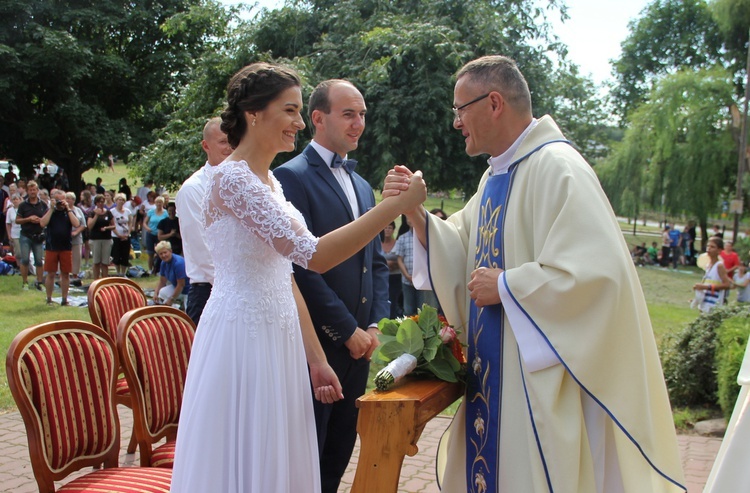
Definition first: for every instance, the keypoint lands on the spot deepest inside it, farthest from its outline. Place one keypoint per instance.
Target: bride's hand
(396, 181)
(326, 386)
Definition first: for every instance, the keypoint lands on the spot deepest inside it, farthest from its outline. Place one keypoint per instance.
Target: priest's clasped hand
(483, 286)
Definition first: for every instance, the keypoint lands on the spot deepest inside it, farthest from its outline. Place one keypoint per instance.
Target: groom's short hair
(499, 73)
(319, 99)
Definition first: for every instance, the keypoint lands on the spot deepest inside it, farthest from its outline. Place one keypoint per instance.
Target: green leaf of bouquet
(428, 318)
(446, 355)
(392, 350)
(431, 347)
(442, 370)
(410, 335)
(388, 326)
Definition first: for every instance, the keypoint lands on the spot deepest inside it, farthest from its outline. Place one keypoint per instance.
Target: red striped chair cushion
(75, 419)
(112, 301)
(163, 456)
(163, 344)
(121, 388)
(122, 480)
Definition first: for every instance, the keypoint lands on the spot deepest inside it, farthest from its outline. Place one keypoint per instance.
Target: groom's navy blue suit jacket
(354, 293)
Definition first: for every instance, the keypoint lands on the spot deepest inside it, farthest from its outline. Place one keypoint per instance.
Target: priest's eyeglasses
(456, 110)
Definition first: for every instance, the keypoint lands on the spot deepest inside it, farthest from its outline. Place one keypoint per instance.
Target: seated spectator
(653, 254)
(173, 284)
(639, 253)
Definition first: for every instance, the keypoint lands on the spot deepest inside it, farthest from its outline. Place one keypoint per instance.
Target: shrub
(688, 357)
(731, 340)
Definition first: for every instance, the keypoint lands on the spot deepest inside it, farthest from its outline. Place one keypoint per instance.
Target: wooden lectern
(389, 425)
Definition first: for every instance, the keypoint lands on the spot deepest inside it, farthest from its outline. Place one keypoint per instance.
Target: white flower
(479, 425)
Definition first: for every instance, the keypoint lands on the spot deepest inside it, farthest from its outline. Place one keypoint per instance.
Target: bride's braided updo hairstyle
(252, 89)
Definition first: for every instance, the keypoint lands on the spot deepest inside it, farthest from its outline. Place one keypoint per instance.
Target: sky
(593, 32)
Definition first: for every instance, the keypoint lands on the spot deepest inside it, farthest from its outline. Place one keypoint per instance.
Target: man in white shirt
(198, 261)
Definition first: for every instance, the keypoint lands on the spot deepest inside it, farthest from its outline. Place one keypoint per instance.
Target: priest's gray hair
(499, 73)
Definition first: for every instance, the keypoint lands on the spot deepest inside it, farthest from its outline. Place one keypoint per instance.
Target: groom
(346, 302)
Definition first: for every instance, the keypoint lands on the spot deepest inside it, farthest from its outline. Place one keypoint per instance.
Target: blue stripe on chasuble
(486, 327)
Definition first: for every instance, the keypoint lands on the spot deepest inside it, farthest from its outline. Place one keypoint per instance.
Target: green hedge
(689, 357)
(732, 339)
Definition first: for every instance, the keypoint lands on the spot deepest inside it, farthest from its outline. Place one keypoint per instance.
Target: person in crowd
(12, 228)
(174, 285)
(388, 241)
(111, 163)
(86, 205)
(123, 220)
(44, 197)
(21, 184)
(730, 258)
(741, 282)
(5, 204)
(45, 180)
(99, 187)
(76, 244)
(101, 223)
(675, 245)
(60, 220)
(109, 199)
(256, 338)
(718, 232)
(715, 281)
(198, 261)
(557, 328)
(666, 246)
(143, 191)
(61, 180)
(438, 212)
(639, 254)
(124, 188)
(150, 227)
(405, 258)
(29, 216)
(653, 254)
(168, 229)
(346, 303)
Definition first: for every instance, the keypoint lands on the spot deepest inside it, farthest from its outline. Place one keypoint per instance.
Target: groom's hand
(483, 286)
(359, 343)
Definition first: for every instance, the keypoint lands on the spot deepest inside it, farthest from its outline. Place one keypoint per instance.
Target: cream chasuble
(599, 420)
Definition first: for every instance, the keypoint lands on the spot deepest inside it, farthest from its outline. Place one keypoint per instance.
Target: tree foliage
(402, 55)
(670, 35)
(82, 79)
(678, 152)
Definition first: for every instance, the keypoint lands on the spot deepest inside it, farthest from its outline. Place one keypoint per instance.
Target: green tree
(81, 80)
(678, 151)
(669, 35)
(402, 55)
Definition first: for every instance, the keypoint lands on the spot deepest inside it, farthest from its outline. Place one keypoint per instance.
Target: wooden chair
(154, 345)
(62, 376)
(109, 299)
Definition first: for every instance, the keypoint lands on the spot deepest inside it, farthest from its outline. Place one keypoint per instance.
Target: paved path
(417, 475)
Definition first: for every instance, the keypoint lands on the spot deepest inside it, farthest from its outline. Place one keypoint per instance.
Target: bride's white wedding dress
(247, 422)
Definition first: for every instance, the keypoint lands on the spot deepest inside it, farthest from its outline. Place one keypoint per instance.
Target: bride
(247, 420)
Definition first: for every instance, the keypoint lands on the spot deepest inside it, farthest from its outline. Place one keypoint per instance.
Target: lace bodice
(254, 234)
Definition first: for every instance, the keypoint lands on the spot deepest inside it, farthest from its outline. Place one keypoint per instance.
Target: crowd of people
(47, 229)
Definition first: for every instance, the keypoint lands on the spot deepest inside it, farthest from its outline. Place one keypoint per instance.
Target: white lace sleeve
(234, 190)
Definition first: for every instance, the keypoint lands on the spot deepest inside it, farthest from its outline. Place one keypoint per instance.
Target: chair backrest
(62, 377)
(154, 345)
(110, 298)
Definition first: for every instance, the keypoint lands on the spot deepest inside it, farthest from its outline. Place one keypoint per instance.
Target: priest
(565, 390)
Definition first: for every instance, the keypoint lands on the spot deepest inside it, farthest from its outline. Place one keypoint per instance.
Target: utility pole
(742, 154)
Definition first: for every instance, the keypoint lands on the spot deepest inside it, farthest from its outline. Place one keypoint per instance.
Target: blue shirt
(674, 235)
(175, 270)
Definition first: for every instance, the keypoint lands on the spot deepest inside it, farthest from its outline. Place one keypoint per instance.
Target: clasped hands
(482, 287)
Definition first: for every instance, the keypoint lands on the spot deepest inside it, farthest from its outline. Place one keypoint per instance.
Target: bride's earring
(253, 122)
